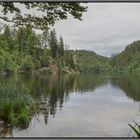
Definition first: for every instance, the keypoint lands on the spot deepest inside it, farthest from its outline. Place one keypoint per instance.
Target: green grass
(16, 105)
(136, 129)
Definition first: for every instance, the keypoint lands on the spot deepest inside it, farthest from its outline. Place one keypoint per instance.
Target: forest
(128, 61)
(24, 51)
(28, 52)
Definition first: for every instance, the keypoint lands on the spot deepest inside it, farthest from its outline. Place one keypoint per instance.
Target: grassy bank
(16, 105)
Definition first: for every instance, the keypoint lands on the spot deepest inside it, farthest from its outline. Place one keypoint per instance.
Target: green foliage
(20, 40)
(61, 47)
(45, 58)
(53, 44)
(16, 105)
(88, 61)
(69, 59)
(51, 12)
(27, 64)
(129, 60)
(136, 129)
(26, 41)
(37, 64)
(9, 112)
(2, 62)
(10, 65)
(15, 113)
(23, 120)
(28, 53)
(7, 62)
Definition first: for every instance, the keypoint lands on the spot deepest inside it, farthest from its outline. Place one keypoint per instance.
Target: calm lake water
(81, 105)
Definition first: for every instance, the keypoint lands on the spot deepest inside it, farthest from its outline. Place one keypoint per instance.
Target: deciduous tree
(47, 13)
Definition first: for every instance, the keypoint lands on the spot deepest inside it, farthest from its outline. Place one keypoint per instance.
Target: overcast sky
(106, 28)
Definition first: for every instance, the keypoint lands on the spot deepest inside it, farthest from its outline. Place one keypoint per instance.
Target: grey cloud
(106, 28)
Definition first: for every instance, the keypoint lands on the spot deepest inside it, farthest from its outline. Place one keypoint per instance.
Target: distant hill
(89, 61)
(129, 59)
(126, 61)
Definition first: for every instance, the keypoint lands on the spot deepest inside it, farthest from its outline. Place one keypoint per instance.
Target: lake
(81, 105)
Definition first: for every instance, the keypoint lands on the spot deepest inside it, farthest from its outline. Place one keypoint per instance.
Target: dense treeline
(89, 61)
(129, 60)
(24, 51)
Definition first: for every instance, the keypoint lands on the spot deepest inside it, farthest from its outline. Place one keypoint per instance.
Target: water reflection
(56, 89)
(129, 84)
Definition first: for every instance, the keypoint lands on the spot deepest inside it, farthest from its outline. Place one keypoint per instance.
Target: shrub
(45, 58)
(23, 120)
(37, 64)
(7, 62)
(27, 64)
(2, 62)
(16, 105)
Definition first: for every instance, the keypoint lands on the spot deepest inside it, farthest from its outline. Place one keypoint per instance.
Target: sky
(107, 28)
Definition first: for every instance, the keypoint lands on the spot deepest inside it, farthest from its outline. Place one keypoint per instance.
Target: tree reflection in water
(56, 89)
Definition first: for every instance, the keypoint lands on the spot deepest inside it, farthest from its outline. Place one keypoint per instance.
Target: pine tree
(53, 44)
(8, 38)
(61, 47)
(61, 51)
(21, 40)
(44, 39)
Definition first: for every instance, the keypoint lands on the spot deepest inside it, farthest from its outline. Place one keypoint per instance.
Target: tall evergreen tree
(31, 40)
(44, 39)
(21, 40)
(8, 38)
(53, 43)
(61, 47)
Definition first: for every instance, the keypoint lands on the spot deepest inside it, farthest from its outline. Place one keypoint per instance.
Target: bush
(7, 62)
(45, 61)
(16, 105)
(2, 62)
(45, 58)
(23, 120)
(27, 64)
(37, 64)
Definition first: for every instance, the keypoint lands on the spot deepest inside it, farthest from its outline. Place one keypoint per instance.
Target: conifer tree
(53, 43)
(61, 47)
(8, 38)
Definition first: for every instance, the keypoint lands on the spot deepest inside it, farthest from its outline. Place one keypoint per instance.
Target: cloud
(106, 28)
